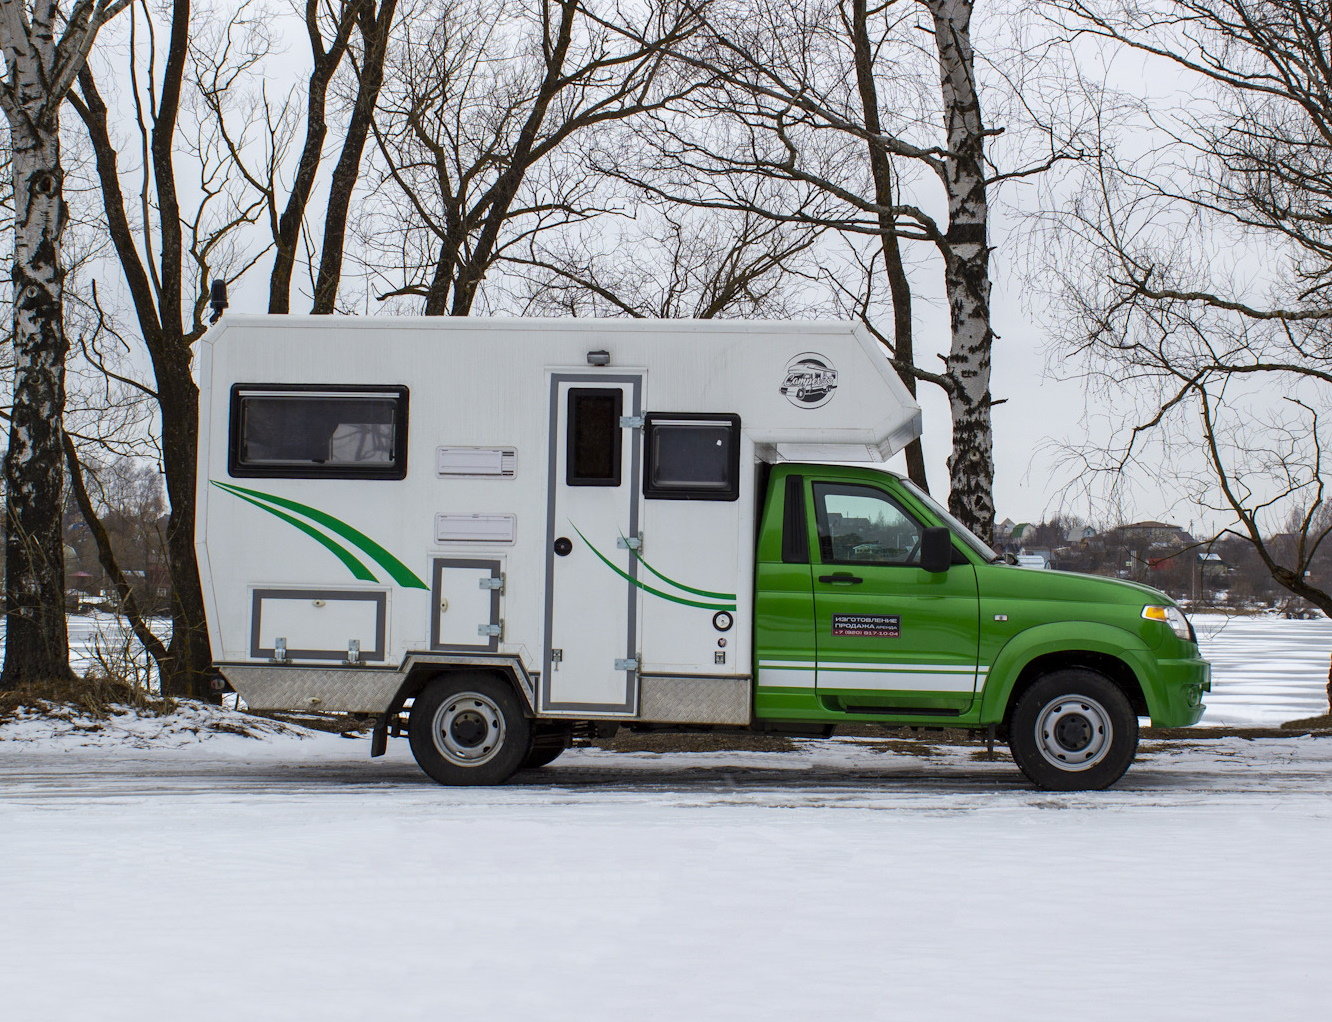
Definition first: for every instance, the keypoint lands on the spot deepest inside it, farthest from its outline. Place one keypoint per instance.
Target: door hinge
(631, 422)
(629, 543)
(626, 665)
(495, 630)
(491, 583)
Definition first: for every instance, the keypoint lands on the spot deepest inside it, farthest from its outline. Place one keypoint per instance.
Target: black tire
(469, 728)
(548, 742)
(1073, 730)
(539, 757)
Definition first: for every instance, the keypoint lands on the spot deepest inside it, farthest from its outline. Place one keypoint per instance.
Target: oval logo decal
(810, 380)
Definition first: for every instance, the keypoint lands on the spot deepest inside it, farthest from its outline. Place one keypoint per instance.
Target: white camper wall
(481, 390)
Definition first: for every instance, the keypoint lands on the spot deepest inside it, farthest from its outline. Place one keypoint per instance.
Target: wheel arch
(1109, 651)
(1105, 664)
(421, 669)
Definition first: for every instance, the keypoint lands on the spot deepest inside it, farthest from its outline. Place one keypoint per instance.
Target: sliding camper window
(318, 431)
(691, 456)
(592, 455)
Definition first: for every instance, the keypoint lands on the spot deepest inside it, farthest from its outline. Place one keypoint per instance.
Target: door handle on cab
(842, 578)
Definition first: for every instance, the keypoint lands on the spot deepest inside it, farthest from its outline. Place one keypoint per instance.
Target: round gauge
(722, 621)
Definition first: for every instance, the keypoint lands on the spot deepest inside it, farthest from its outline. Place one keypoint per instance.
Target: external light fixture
(1172, 616)
(598, 358)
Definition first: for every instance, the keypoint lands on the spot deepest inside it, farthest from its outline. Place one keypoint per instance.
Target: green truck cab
(874, 605)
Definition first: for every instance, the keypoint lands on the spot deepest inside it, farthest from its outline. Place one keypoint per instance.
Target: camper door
(591, 647)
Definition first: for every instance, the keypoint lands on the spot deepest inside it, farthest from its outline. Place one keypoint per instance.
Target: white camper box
(379, 498)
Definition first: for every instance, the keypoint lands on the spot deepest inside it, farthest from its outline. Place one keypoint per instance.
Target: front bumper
(1174, 693)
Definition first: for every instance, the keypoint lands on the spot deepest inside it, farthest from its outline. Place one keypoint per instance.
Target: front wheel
(1073, 730)
(469, 728)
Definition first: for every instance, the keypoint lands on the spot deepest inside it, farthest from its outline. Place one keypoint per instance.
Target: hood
(1009, 579)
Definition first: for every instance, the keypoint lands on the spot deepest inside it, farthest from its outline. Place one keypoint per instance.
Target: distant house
(1151, 535)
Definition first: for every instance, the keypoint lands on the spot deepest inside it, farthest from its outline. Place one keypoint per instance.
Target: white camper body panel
(608, 602)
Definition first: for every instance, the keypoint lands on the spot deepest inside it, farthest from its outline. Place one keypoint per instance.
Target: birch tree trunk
(36, 646)
(43, 51)
(966, 254)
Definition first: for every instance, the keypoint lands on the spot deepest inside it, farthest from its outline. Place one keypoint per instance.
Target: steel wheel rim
(1074, 732)
(468, 729)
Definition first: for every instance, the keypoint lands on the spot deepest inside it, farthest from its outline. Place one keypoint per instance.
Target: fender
(1061, 637)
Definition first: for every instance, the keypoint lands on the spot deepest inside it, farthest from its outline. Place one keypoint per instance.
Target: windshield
(960, 530)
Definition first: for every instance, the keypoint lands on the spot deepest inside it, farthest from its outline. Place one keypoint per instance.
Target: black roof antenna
(217, 298)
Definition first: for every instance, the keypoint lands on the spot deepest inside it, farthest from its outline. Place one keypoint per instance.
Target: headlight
(1172, 616)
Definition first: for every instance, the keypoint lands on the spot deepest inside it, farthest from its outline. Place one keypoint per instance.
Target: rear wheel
(548, 742)
(1073, 730)
(469, 728)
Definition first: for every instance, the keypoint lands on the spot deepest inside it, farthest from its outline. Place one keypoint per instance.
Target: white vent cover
(476, 462)
(475, 528)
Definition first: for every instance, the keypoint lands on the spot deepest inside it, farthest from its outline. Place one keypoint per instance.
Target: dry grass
(92, 696)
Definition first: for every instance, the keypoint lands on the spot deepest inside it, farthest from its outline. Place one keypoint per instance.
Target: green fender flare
(1062, 637)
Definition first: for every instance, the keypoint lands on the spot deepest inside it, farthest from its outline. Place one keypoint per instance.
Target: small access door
(590, 664)
(890, 637)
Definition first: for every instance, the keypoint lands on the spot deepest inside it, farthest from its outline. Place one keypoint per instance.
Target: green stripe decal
(680, 585)
(647, 588)
(398, 571)
(357, 568)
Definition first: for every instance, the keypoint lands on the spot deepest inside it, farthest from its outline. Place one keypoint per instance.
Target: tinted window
(862, 525)
(319, 431)
(593, 453)
(692, 457)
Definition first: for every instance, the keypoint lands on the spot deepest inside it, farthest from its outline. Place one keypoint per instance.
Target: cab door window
(863, 525)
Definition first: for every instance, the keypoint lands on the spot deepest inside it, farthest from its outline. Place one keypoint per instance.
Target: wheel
(548, 741)
(469, 728)
(1073, 730)
(539, 757)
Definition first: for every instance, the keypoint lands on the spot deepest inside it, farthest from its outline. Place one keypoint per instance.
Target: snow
(293, 877)
(1265, 670)
(212, 866)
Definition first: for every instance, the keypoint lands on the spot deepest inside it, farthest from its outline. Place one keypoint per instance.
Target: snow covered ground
(154, 868)
(291, 877)
(1265, 670)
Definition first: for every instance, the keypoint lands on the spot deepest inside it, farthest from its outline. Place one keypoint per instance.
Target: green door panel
(889, 635)
(901, 638)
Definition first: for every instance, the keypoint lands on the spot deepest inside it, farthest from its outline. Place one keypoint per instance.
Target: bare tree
(374, 26)
(328, 28)
(44, 50)
(167, 251)
(475, 127)
(828, 96)
(1232, 367)
(672, 263)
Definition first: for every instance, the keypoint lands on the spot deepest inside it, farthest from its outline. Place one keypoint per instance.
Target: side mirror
(936, 550)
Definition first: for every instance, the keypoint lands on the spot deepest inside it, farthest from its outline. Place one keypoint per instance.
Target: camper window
(692, 456)
(592, 457)
(319, 431)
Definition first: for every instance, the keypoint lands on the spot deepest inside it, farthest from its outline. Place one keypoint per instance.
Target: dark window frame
(837, 487)
(397, 469)
(616, 476)
(795, 523)
(653, 420)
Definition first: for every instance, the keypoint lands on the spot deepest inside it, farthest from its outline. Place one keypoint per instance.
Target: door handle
(842, 578)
